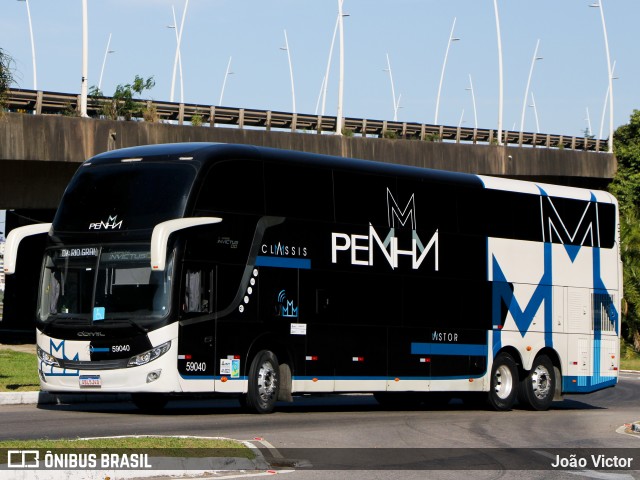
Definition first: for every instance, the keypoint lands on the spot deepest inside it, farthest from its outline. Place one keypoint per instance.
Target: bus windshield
(99, 284)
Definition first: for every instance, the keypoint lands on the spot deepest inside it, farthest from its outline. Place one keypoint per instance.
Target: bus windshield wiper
(138, 327)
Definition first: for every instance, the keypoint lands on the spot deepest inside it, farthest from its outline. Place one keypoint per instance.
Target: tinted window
(299, 191)
(233, 186)
(363, 199)
(139, 195)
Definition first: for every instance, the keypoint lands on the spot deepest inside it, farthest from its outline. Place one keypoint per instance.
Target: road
(311, 424)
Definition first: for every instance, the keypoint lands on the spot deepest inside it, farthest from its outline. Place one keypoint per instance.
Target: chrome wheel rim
(267, 382)
(541, 382)
(503, 382)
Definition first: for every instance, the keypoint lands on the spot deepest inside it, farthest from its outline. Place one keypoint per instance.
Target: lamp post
(104, 61)
(393, 92)
(444, 65)
(85, 61)
(500, 77)
(606, 101)
(599, 5)
(293, 92)
(339, 120)
(178, 56)
(535, 112)
(224, 82)
(33, 47)
(473, 99)
(526, 91)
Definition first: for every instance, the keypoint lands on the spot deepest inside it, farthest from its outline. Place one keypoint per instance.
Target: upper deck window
(124, 196)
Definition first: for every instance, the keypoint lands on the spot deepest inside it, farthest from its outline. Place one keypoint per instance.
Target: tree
(626, 187)
(123, 104)
(6, 76)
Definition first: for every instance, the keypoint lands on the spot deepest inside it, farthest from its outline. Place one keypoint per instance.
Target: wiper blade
(140, 328)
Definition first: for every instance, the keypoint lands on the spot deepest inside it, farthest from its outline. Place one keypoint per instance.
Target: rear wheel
(537, 388)
(504, 381)
(264, 383)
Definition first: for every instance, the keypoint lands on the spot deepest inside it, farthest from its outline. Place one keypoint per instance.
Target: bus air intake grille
(95, 365)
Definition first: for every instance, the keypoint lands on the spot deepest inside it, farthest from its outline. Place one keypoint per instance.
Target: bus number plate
(90, 381)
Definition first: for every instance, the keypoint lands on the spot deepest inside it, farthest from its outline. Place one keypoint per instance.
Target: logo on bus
(362, 247)
(111, 224)
(286, 308)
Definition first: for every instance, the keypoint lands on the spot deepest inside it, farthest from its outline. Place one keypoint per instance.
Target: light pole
(178, 57)
(341, 80)
(444, 65)
(393, 92)
(325, 81)
(85, 61)
(293, 92)
(588, 119)
(526, 91)
(500, 80)
(104, 61)
(606, 101)
(599, 5)
(473, 99)
(33, 46)
(535, 112)
(224, 82)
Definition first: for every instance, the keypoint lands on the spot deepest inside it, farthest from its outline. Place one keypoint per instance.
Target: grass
(629, 358)
(18, 372)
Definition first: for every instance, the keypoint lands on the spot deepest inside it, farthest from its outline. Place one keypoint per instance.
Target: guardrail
(52, 103)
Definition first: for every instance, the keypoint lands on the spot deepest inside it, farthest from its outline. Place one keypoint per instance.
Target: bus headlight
(149, 355)
(47, 358)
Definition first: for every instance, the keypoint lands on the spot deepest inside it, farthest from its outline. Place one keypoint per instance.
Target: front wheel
(537, 388)
(264, 383)
(504, 381)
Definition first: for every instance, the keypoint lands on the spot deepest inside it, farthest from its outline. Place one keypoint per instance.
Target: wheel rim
(503, 382)
(541, 382)
(267, 382)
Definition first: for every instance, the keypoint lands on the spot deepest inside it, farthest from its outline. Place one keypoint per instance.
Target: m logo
(403, 216)
(558, 226)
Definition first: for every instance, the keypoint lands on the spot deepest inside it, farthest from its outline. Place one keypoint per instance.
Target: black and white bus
(225, 269)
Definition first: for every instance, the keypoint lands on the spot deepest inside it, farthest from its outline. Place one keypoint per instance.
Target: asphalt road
(305, 430)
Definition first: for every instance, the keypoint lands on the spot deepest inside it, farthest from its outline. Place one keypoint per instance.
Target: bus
(203, 268)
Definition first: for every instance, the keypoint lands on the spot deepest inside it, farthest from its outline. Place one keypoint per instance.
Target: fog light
(153, 376)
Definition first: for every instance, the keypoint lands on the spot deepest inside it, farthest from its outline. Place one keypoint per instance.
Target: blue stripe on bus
(388, 379)
(584, 384)
(100, 350)
(210, 377)
(449, 349)
(283, 262)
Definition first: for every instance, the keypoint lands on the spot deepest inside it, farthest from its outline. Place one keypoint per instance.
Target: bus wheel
(264, 382)
(504, 380)
(537, 388)
(150, 402)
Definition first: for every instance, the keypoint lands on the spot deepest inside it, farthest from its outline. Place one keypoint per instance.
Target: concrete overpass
(39, 153)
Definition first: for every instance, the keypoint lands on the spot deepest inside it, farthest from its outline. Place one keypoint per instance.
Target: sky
(569, 83)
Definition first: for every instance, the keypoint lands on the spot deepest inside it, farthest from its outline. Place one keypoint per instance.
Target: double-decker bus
(203, 268)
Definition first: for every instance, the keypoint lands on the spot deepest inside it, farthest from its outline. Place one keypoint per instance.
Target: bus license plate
(90, 381)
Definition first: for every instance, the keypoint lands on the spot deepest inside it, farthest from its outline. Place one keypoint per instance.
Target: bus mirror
(162, 231)
(13, 242)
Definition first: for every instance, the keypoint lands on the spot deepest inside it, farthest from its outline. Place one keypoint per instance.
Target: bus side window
(197, 288)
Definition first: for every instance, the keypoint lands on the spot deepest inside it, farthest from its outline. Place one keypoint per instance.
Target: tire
(537, 388)
(150, 402)
(504, 383)
(264, 383)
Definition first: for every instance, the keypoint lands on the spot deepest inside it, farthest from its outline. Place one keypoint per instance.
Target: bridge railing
(53, 103)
